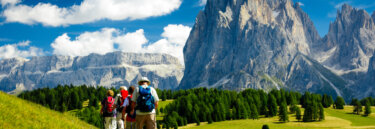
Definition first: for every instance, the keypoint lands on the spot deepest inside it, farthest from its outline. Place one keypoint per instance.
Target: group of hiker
(132, 108)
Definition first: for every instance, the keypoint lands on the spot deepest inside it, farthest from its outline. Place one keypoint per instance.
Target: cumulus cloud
(131, 42)
(88, 11)
(173, 41)
(9, 2)
(104, 41)
(100, 42)
(21, 49)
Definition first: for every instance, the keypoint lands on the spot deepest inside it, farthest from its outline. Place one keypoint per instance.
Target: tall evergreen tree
(272, 106)
(357, 108)
(298, 114)
(254, 112)
(367, 108)
(339, 104)
(283, 112)
(321, 112)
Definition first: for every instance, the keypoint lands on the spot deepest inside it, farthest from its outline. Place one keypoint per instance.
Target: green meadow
(334, 119)
(21, 114)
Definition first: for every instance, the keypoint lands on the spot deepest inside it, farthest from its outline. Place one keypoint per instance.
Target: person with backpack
(120, 97)
(128, 111)
(108, 111)
(145, 101)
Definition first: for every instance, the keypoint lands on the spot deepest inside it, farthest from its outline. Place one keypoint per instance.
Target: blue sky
(20, 25)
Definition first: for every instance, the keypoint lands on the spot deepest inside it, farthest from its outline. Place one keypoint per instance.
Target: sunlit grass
(16, 113)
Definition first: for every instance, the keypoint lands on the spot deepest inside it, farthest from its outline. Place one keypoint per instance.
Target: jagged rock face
(110, 70)
(365, 86)
(349, 43)
(238, 44)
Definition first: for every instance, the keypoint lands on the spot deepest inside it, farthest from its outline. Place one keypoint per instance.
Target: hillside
(18, 113)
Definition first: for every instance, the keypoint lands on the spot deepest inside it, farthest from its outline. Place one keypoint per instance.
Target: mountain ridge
(112, 69)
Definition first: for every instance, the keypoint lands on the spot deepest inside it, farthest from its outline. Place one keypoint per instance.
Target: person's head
(110, 93)
(123, 88)
(131, 89)
(144, 81)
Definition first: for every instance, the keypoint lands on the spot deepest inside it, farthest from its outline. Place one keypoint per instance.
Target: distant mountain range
(267, 44)
(109, 70)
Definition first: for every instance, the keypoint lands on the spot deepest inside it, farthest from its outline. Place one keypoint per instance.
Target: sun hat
(144, 79)
(110, 93)
(123, 88)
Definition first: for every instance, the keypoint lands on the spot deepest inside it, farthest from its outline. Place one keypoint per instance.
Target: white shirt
(136, 94)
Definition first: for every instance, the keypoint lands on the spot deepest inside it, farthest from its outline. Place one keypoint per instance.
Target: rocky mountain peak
(350, 41)
(261, 44)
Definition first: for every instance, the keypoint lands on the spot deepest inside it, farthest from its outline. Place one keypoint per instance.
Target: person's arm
(132, 108)
(156, 104)
(123, 113)
(156, 97)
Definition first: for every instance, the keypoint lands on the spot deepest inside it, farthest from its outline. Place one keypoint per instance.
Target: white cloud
(173, 42)
(104, 41)
(99, 42)
(14, 50)
(300, 4)
(88, 11)
(9, 2)
(202, 2)
(131, 42)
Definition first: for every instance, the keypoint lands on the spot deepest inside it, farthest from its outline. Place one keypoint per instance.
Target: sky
(81, 27)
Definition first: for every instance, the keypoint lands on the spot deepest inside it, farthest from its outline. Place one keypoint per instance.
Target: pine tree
(308, 113)
(326, 101)
(367, 108)
(163, 96)
(254, 112)
(298, 114)
(339, 104)
(357, 108)
(234, 113)
(283, 112)
(321, 112)
(272, 106)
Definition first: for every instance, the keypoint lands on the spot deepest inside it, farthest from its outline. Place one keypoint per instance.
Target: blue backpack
(145, 100)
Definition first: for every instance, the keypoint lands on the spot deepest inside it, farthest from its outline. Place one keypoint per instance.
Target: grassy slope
(17, 113)
(335, 119)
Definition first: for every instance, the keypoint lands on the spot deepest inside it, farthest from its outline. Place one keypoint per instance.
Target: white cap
(123, 88)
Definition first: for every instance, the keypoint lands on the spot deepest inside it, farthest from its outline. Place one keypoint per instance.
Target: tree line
(201, 104)
(213, 105)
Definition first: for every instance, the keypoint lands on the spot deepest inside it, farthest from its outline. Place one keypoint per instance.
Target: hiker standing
(145, 101)
(108, 111)
(120, 97)
(130, 117)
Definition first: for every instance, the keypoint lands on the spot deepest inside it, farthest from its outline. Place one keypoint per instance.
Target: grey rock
(261, 44)
(109, 70)
(349, 43)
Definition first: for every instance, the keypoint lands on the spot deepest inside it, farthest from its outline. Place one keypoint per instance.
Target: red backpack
(108, 107)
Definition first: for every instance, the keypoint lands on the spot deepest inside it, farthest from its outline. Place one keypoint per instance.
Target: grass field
(335, 119)
(16, 113)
